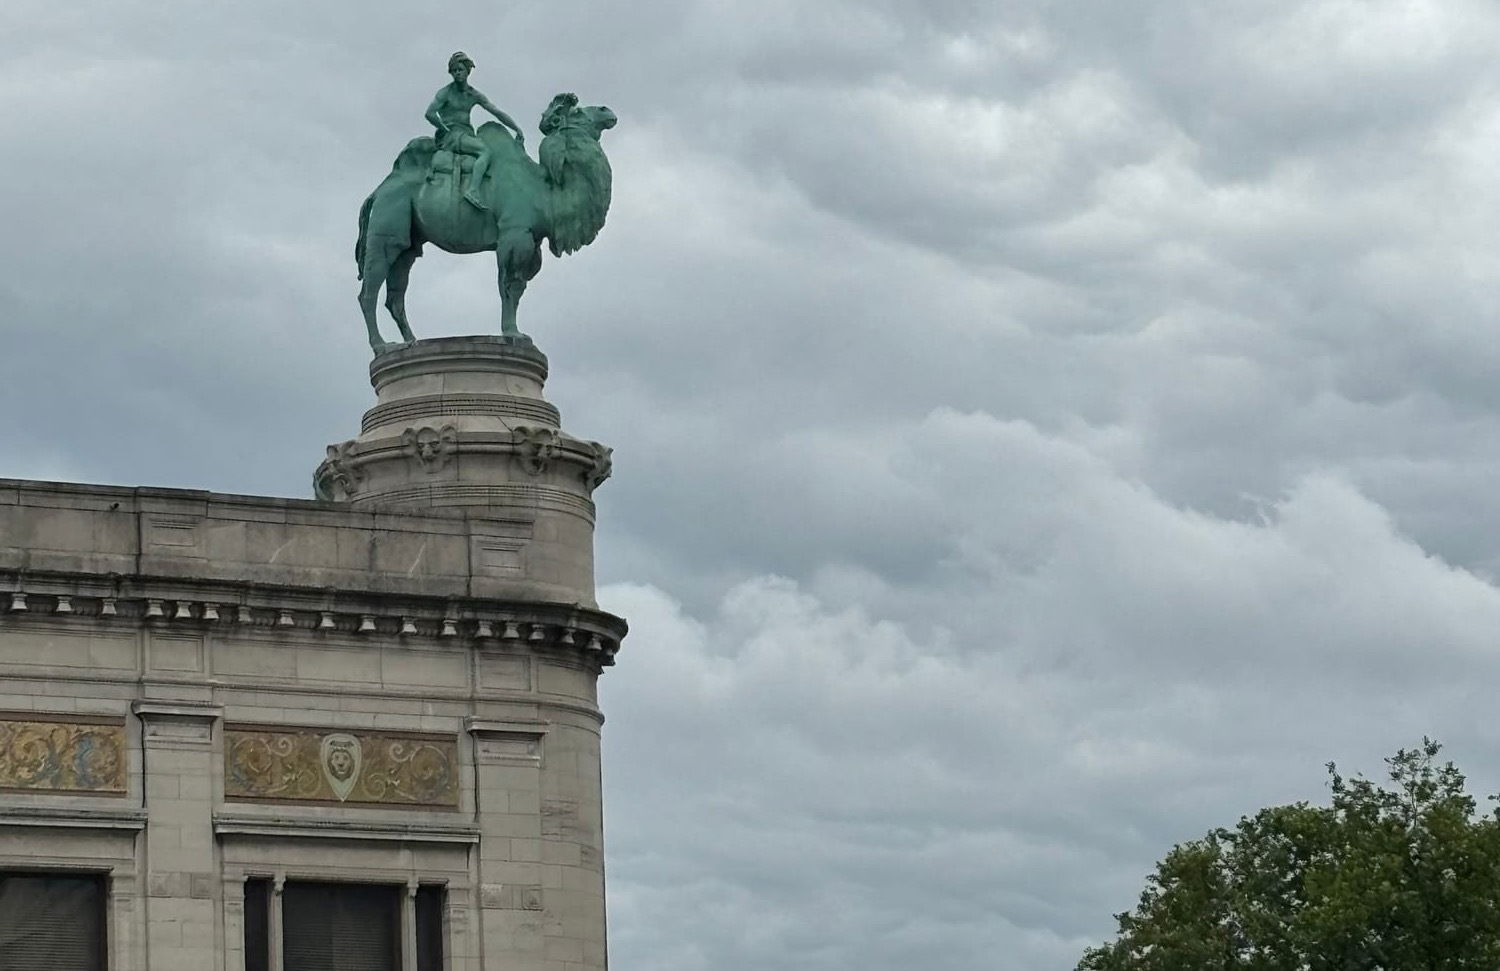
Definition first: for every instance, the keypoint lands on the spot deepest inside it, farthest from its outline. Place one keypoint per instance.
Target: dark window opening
(341, 927)
(258, 925)
(52, 922)
(430, 928)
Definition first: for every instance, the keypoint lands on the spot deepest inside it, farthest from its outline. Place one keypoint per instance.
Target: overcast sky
(1044, 429)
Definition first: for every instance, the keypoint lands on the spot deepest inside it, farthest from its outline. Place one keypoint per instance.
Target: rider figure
(449, 114)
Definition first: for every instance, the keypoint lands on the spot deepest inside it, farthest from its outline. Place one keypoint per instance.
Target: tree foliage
(1388, 878)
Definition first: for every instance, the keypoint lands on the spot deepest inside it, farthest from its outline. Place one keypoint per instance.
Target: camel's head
(601, 117)
(564, 112)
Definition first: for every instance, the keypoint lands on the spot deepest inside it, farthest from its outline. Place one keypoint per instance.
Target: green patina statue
(468, 192)
(449, 114)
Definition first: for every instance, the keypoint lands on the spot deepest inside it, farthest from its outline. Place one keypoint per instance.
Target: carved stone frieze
(65, 755)
(535, 446)
(312, 765)
(433, 448)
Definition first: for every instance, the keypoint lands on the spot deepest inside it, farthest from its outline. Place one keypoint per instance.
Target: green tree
(1402, 877)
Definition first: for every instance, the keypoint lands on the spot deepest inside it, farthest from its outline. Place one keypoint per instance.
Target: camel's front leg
(510, 297)
(519, 255)
(512, 286)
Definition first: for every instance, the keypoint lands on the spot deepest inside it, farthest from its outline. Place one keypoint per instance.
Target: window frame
(420, 919)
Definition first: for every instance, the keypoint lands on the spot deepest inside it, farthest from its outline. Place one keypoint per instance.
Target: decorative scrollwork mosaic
(309, 765)
(39, 755)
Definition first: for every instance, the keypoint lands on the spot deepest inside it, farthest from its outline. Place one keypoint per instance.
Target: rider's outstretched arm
(502, 117)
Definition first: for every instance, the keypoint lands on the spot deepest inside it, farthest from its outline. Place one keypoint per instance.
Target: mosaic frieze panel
(38, 754)
(311, 765)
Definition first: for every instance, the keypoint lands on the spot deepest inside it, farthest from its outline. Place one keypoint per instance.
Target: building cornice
(590, 635)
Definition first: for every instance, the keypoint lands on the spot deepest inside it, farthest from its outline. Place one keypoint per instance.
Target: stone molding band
(493, 354)
(409, 410)
(513, 443)
(353, 469)
(460, 494)
(76, 817)
(228, 824)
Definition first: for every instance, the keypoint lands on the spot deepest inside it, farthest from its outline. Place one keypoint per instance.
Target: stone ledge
(480, 352)
(508, 729)
(53, 817)
(253, 826)
(185, 712)
(131, 679)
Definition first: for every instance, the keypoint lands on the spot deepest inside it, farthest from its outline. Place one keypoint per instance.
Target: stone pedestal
(460, 423)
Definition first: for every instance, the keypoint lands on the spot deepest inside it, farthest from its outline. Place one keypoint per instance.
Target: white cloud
(1096, 673)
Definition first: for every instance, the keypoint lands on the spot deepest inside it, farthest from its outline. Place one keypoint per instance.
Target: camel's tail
(364, 228)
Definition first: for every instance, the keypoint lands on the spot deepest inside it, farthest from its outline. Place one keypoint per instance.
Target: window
(52, 922)
(342, 926)
(430, 928)
(258, 925)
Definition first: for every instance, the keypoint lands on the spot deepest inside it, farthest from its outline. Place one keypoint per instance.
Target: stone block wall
(197, 690)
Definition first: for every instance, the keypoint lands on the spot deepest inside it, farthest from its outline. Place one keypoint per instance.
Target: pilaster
(508, 787)
(183, 885)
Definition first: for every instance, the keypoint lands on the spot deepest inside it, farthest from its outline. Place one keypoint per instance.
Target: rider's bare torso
(453, 105)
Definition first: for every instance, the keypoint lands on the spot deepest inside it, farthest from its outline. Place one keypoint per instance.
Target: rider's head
(459, 65)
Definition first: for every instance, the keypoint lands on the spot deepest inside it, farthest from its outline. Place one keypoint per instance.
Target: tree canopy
(1395, 877)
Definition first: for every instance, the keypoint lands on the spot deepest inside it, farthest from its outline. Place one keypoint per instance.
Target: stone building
(349, 734)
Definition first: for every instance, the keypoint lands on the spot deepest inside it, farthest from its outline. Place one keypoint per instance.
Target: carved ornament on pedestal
(535, 447)
(433, 448)
(338, 479)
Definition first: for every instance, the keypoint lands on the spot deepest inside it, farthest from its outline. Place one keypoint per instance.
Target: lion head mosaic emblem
(341, 759)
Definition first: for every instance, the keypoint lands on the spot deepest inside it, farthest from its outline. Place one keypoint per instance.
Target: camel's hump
(501, 142)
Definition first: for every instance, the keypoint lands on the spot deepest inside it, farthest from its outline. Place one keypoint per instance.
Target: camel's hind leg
(376, 268)
(395, 289)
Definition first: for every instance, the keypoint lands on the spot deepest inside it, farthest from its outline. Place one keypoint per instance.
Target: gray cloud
(1043, 430)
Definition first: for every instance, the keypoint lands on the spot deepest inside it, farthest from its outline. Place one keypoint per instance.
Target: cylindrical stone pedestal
(460, 431)
(460, 422)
